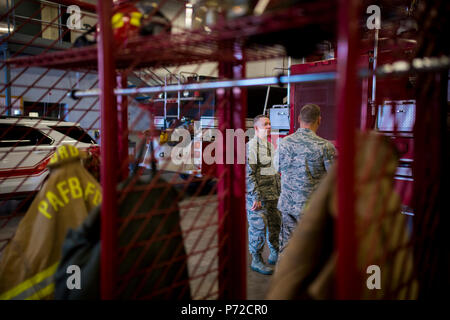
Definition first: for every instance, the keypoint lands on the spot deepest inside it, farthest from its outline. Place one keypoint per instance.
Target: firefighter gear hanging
(30, 260)
(125, 22)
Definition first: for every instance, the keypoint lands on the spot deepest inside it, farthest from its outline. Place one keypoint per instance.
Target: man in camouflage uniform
(263, 190)
(302, 159)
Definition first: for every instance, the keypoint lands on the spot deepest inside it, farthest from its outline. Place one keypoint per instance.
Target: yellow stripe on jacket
(27, 284)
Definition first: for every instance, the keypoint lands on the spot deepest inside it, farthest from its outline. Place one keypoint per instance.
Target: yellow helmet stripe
(136, 19)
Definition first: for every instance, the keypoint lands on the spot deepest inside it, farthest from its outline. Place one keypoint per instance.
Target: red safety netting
(178, 227)
(27, 144)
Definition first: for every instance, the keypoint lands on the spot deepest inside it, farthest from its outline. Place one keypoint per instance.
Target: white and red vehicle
(189, 160)
(187, 157)
(26, 146)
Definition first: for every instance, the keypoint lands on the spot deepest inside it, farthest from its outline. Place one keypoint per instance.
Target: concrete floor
(8, 225)
(196, 214)
(257, 283)
(199, 225)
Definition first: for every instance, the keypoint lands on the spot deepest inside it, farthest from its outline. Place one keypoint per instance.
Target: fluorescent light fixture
(189, 11)
(4, 28)
(238, 10)
(260, 7)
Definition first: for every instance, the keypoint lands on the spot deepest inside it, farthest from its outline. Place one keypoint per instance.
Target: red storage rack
(224, 276)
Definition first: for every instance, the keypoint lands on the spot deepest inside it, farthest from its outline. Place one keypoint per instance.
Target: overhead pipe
(83, 5)
(397, 68)
(326, 76)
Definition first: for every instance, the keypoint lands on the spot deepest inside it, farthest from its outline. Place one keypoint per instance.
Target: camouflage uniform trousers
(288, 225)
(289, 222)
(263, 224)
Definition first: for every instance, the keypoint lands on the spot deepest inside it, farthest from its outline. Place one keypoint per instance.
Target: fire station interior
(121, 150)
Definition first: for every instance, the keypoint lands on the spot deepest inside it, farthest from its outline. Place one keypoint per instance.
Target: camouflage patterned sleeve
(329, 155)
(281, 157)
(276, 159)
(251, 175)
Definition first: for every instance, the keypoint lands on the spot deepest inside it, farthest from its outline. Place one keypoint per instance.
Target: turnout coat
(30, 259)
(307, 267)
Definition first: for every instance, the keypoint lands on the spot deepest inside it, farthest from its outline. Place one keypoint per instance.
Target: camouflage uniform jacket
(302, 159)
(263, 181)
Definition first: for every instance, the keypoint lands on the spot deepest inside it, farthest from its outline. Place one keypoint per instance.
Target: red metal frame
(83, 5)
(195, 46)
(122, 106)
(226, 44)
(347, 277)
(109, 156)
(232, 215)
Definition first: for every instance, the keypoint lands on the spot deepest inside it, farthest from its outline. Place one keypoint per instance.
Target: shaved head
(309, 113)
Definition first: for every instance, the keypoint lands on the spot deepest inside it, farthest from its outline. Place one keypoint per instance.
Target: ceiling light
(260, 7)
(4, 28)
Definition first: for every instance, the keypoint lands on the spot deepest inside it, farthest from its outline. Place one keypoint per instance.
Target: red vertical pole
(107, 77)
(122, 105)
(347, 282)
(292, 120)
(233, 255)
(238, 230)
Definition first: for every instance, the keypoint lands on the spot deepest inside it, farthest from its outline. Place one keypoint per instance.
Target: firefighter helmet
(126, 22)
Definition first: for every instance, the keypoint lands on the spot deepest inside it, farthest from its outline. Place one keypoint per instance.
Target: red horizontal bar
(83, 5)
(192, 46)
